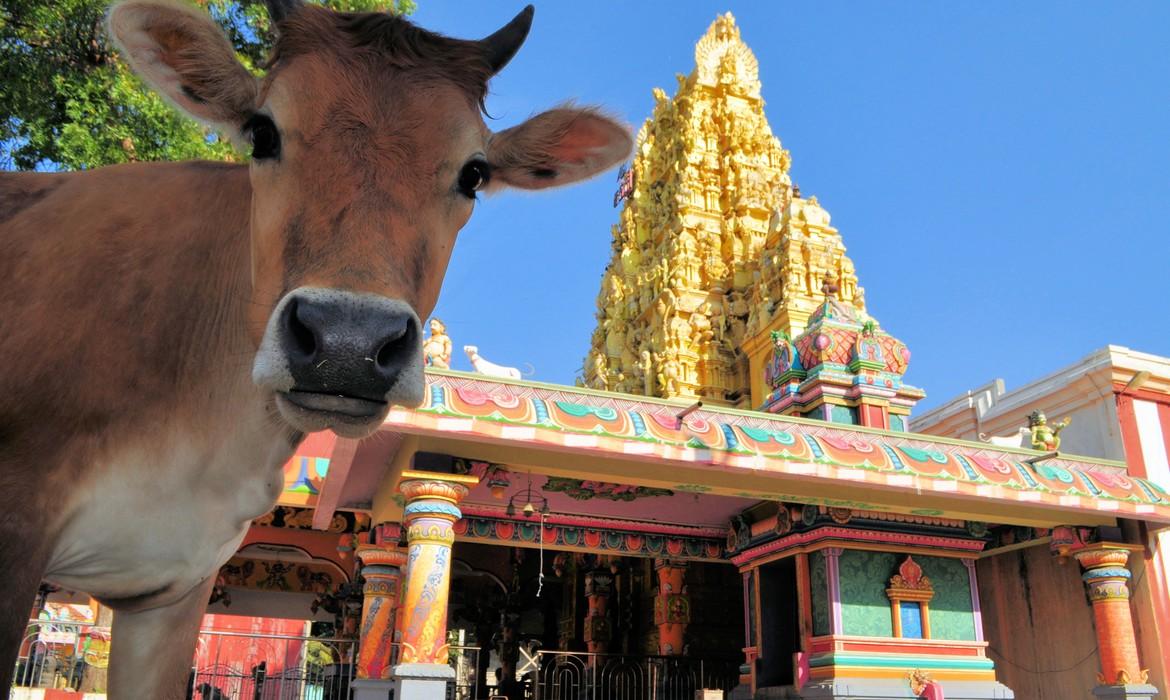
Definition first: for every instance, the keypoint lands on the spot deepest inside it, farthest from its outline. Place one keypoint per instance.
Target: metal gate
(564, 675)
(227, 665)
(243, 666)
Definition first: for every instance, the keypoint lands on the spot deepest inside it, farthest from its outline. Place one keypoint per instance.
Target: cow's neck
(186, 442)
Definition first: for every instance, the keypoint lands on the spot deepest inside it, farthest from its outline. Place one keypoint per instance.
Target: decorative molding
(585, 421)
(838, 534)
(475, 527)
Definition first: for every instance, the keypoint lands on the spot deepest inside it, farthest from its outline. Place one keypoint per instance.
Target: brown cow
(170, 332)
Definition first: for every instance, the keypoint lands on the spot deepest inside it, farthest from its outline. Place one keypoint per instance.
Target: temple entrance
(780, 624)
(595, 626)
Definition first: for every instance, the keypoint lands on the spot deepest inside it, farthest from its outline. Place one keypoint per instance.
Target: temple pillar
(431, 508)
(598, 588)
(672, 606)
(382, 572)
(1121, 677)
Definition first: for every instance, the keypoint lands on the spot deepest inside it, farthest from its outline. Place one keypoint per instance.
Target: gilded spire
(712, 246)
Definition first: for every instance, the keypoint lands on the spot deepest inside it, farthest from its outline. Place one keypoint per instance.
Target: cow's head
(368, 151)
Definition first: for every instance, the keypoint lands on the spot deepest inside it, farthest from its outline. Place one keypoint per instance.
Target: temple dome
(840, 334)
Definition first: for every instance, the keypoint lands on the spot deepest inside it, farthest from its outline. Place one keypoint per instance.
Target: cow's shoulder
(20, 192)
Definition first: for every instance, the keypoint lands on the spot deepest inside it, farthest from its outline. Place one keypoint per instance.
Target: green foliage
(68, 101)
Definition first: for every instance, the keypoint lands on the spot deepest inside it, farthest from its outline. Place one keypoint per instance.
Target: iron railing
(562, 675)
(249, 666)
(60, 655)
(227, 665)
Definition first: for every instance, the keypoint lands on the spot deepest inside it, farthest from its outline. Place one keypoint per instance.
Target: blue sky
(1000, 172)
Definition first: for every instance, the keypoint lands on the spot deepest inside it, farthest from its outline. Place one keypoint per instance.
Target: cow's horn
(278, 10)
(503, 45)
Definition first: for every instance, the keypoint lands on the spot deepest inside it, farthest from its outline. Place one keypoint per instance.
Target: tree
(68, 101)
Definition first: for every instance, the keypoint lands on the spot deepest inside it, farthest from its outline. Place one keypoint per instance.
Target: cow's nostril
(304, 340)
(396, 348)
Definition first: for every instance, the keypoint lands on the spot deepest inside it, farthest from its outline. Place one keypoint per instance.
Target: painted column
(1107, 580)
(431, 509)
(382, 571)
(976, 610)
(672, 606)
(832, 555)
(598, 588)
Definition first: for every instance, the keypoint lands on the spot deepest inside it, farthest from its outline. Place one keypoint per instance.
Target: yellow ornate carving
(714, 246)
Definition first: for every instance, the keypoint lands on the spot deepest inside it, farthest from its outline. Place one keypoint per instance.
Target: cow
(169, 332)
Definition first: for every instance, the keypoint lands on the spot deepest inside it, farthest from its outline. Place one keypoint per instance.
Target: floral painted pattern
(865, 608)
(584, 490)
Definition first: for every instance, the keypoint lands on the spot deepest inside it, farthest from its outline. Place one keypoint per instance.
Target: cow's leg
(22, 563)
(152, 650)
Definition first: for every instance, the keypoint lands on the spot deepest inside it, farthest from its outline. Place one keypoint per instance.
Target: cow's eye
(264, 137)
(473, 177)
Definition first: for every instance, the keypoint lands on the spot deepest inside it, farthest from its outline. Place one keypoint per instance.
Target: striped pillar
(382, 570)
(1107, 580)
(431, 509)
(672, 606)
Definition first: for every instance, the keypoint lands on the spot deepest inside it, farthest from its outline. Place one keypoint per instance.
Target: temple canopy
(564, 431)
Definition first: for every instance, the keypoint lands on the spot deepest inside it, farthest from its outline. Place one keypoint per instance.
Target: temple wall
(865, 607)
(1038, 621)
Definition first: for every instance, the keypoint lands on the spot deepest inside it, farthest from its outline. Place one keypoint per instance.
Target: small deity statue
(718, 320)
(437, 348)
(599, 371)
(1045, 436)
(647, 366)
(701, 324)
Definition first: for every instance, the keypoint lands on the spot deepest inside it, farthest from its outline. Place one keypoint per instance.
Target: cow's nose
(348, 344)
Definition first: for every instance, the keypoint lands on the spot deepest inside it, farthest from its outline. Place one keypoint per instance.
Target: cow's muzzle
(338, 359)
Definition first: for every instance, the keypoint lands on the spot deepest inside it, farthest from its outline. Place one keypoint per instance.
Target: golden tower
(714, 248)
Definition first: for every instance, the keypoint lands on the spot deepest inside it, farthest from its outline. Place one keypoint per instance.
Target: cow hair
(389, 39)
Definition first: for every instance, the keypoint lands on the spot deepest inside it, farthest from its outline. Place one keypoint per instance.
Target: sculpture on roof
(437, 348)
(491, 369)
(1016, 440)
(1045, 436)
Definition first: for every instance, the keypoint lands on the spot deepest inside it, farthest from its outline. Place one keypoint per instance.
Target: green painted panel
(865, 608)
(844, 414)
(819, 588)
(897, 422)
(951, 616)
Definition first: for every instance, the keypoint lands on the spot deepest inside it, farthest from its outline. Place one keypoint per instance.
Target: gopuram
(787, 538)
(718, 259)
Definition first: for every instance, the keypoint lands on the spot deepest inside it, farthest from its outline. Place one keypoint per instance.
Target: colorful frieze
(585, 490)
(282, 576)
(623, 426)
(351, 522)
(838, 533)
(598, 538)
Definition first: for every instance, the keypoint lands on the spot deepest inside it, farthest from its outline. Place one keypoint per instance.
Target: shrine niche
(910, 593)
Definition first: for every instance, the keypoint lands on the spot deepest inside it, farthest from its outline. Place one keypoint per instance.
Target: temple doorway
(779, 624)
(594, 626)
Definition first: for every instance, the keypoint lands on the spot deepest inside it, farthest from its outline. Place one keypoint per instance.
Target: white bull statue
(1017, 440)
(491, 369)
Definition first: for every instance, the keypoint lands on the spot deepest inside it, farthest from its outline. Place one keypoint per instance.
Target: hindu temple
(730, 504)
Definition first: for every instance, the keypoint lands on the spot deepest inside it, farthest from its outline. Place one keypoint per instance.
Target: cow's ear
(184, 55)
(557, 147)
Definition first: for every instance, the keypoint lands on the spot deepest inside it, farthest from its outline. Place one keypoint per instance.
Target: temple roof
(569, 431)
